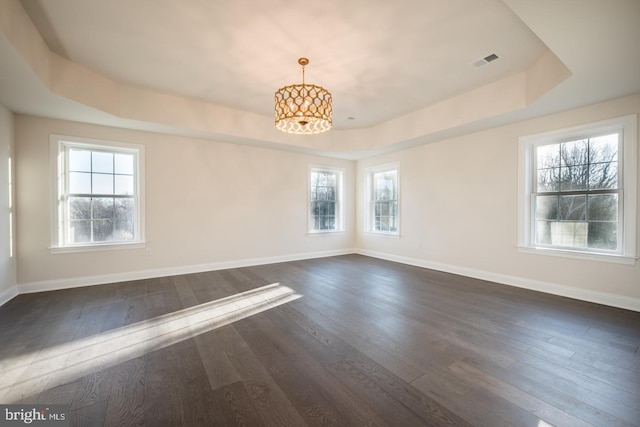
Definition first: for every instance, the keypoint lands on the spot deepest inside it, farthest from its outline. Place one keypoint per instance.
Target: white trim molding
(626, 252)
(8, 295)
(77, 282)
(339, 200)
(613, 300)
(369, 222)
(59, 164)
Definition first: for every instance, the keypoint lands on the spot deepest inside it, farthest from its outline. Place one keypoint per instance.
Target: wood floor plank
(91, 415)
(63, 394)
(312, 399)
(539, 408)
(162, 399)
(357, 341)
(472, 406)
(310, 357)
(385, 352)
(196, 395)
(565, 395)
(603, 396)
(219, 369)
(93, 387)
(234, 406)
(126, 394)
(430, 411)
(268, 399)
(28, 376)
(488, 409)
(625, 386)
(577, 403)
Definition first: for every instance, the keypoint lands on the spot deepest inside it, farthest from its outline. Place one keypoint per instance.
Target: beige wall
(211, 205)
(208, 205)
(7, 246)
(459, 203)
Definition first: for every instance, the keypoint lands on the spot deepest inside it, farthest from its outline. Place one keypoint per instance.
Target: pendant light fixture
(303, 108)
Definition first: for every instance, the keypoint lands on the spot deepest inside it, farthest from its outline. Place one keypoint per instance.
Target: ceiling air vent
(484, 61)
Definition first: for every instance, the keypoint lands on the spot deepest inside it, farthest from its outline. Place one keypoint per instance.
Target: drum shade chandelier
(303, 109)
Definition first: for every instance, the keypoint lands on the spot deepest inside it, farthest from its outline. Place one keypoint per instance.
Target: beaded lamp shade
(303, 108)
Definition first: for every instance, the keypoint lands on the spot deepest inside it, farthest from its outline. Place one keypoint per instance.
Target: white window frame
(627, 125)
(58, 145)
(369, 201)
(339, 225)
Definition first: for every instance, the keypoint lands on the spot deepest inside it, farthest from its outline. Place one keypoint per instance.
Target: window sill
(383, 234)
(97, 247)
(325, 233)
(611, 258)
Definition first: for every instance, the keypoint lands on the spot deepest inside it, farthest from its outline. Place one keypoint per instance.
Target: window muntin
(383, 200)
(577, 196)
(577, 191)
(325, 192)
(98, 193)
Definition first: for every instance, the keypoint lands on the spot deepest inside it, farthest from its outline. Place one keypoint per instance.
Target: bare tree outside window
(324, 200)
(100, 196)
(577, 193)
(385, 201)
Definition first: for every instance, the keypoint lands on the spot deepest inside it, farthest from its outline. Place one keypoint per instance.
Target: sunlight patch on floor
(29, 374)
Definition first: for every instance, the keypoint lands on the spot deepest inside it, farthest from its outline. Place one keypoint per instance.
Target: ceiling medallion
(303, 109)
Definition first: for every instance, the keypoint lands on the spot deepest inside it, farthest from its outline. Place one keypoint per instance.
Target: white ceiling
(381, 60)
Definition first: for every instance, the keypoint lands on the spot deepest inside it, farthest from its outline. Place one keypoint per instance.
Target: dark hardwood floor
(347, 340)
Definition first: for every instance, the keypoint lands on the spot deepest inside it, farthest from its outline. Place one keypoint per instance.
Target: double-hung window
(98, 193)
(382, 205)
(325, 200)
(579, 190)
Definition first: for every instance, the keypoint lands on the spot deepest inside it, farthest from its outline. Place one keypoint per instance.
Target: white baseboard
(8, 295)
(613, 300)
(52, 285)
